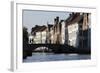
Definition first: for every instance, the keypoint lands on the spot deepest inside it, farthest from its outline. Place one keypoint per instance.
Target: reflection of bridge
(55, 48)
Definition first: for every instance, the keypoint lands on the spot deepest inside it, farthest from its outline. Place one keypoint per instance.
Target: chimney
(73, 13)
(55, 21)
(70, 14)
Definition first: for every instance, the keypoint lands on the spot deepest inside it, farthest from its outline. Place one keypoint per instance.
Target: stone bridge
(54, 48)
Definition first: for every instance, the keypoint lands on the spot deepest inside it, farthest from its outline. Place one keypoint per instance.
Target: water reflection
(42, 57)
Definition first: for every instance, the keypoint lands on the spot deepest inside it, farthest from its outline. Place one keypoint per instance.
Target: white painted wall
(37, 38)
(73, 34)
(63, 33)
(44, 37)
(40, 37)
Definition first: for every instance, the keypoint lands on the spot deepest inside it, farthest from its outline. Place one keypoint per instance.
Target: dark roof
(73, 18)
(38, 28)
(42, 28)
(50, 25)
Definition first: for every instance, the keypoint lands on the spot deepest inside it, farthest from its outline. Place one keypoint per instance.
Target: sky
(33, 17)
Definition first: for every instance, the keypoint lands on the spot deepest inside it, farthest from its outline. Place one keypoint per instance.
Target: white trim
(17, 38)
(13, 37)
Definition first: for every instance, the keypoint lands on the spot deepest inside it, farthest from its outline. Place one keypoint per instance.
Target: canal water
(43, 57)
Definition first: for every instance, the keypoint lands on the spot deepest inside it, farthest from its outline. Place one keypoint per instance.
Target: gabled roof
(38, 28)
(42, 28)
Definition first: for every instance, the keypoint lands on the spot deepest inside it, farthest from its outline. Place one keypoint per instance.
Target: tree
(25, 35)
(25, 43)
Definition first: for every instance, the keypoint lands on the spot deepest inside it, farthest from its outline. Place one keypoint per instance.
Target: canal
(43, 57)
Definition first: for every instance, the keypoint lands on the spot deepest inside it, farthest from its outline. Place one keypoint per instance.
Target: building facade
(74, 31)
(39, 34)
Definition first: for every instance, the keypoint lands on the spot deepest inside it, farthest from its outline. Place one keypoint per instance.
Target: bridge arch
(42, 49)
